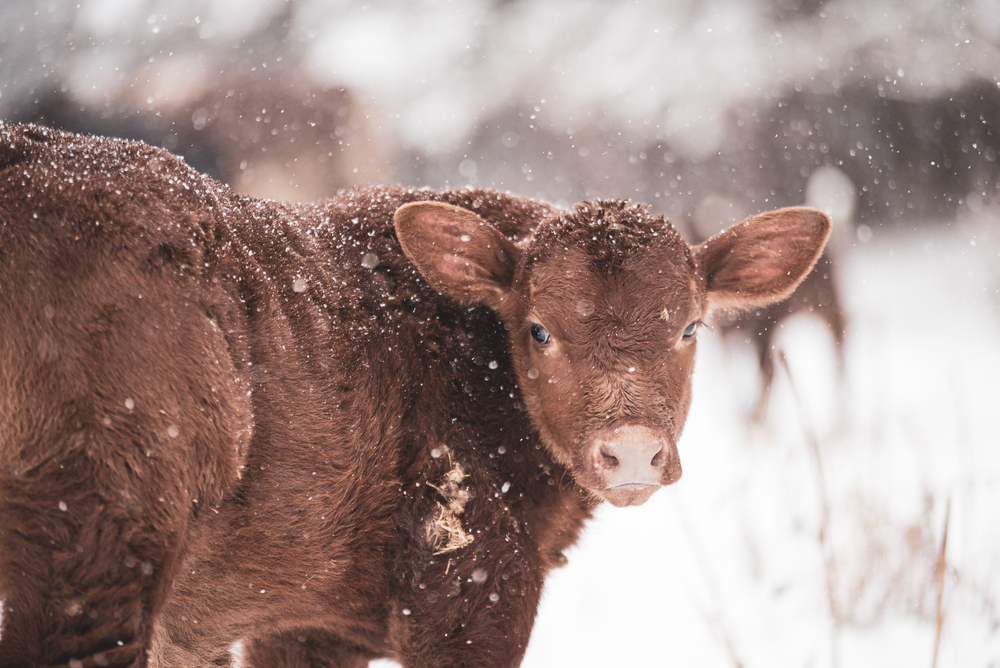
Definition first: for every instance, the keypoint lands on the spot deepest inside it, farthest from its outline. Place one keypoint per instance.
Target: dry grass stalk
(813, 442)
(715, 620)
(939, 571)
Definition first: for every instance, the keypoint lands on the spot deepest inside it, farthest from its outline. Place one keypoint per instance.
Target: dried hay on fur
(445, 532)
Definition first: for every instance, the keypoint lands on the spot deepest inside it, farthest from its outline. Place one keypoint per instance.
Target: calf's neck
(367, 427)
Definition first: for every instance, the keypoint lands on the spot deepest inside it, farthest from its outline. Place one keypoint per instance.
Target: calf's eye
(689, 330)
(538, 333)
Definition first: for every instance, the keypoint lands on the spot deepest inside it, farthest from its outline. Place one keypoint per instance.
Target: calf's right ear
(761, 260)
(457, 252)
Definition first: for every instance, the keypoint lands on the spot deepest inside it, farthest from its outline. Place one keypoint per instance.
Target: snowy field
(736, 565)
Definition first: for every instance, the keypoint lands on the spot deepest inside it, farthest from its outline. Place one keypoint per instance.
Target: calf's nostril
(657, 459)
(608, 459)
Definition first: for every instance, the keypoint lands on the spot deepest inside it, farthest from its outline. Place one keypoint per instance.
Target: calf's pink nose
(630, 455)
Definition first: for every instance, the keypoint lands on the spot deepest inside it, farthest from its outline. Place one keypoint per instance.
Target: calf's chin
(628, 495)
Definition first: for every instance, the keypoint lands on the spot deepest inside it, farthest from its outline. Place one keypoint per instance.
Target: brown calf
(367, 427)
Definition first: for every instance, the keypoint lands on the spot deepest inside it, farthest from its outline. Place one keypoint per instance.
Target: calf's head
(602, 305)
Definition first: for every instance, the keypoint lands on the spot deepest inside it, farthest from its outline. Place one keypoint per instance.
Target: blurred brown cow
(828, 189)
(266, 133)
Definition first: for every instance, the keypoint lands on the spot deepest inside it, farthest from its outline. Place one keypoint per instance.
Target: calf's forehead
(656, 283)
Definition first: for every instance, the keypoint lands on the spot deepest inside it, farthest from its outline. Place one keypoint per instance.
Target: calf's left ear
(761, 260)
(457, 252)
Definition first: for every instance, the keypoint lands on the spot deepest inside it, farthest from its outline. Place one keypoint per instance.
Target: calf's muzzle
(631, 462)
